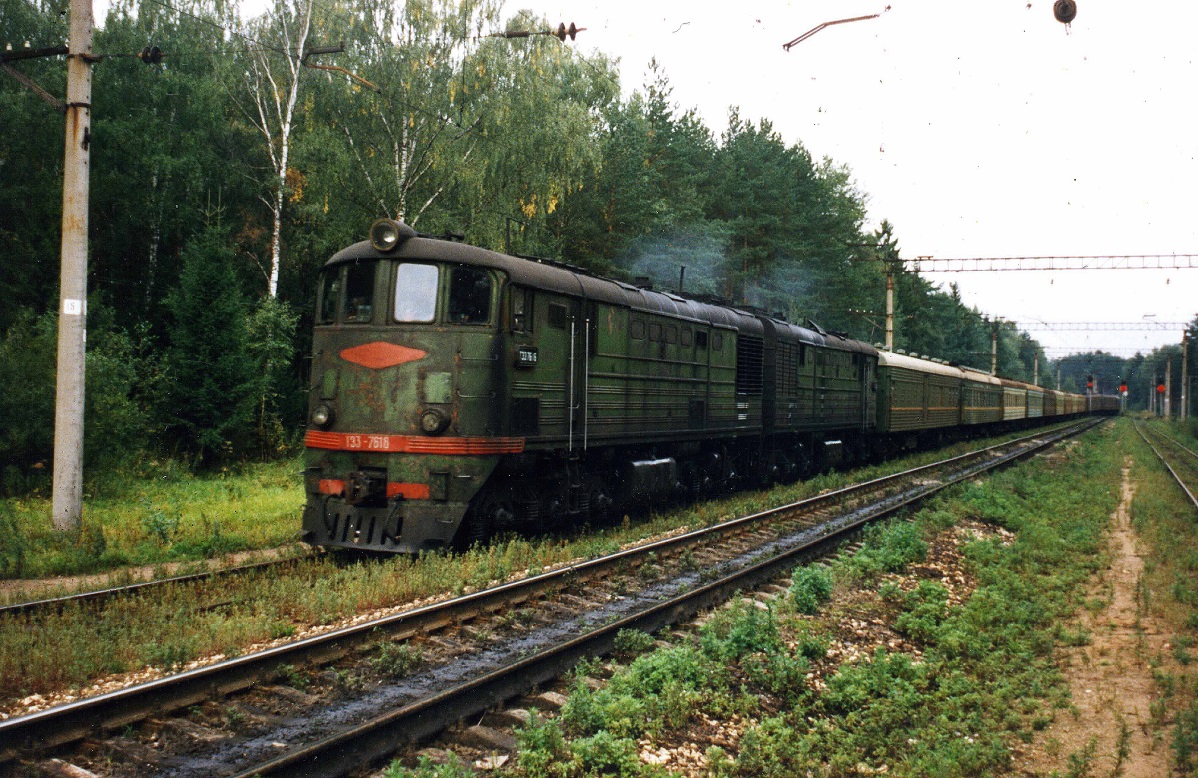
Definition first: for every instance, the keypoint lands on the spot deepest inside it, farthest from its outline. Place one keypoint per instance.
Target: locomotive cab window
(359, 292)
(469, 296)
(521, 310)
(415, 293)
(330, 295)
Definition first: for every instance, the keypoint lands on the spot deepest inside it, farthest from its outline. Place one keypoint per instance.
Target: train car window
(637, 330)
(557, 316)
(359, 292)
(330, 294)
(416, 293)
(802, 356)
(717, 341)
(469, 296)
(686, 336)
(654, 331)
(700, 339)
(671, 334)
(521, 310)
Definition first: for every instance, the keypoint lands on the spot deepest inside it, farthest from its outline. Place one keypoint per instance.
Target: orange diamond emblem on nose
(378, 355)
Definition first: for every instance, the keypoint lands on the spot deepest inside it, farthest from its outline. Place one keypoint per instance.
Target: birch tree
(410, 134)
(272, 81)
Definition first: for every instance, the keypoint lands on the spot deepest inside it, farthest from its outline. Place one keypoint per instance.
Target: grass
(981, 680)
(161, 513)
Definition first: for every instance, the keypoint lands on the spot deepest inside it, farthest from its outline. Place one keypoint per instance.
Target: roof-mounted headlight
(387, 234)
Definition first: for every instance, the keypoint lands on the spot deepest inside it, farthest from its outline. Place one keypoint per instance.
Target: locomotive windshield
(347, 293)
(468, 299)
(469, 296)
(415, 293)
(424, 294)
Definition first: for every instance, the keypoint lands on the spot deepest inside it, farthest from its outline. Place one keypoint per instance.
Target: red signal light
(1160, 388)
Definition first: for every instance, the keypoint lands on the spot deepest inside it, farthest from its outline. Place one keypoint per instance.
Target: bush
(809, 588)
(607, 754)
(889, 548)
(925, 610)
(543, 752)
(115, 420)
(738, 631)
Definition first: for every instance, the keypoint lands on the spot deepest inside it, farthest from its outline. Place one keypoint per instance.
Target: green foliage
(924, 611)
(889, 548)
(114, 419)
(632, 641)
(742, 629)
(396, 660)
(427, 768)
(270, 344)
(1185, 740)
(543, 752)
(211, 390)
(605, 753)
(810, 587)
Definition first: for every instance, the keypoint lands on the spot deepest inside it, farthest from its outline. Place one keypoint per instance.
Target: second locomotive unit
(457, 392)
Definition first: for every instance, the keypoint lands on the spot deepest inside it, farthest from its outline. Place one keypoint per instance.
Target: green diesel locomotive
(457, 392)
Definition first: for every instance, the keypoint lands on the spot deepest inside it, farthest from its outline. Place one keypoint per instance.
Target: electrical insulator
(563, 32)
(1065, 11)
(151, 55)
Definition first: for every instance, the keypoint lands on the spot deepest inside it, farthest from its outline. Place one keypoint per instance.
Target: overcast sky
(979, 129)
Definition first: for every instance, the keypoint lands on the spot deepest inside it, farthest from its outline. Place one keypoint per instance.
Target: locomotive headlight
(433, 421)
(321, 415)
(386, 234)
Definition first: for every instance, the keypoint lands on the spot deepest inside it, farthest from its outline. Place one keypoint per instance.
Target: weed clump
(889, 548)
(810, 587)
(396, 660)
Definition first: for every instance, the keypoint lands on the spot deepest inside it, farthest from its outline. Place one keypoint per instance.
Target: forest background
(225, 175)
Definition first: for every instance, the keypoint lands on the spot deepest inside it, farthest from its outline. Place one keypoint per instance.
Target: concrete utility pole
(1168, 388)
(890, 306)
(1186, 394)
(994, 348)
(1036, 369)
(67, 503)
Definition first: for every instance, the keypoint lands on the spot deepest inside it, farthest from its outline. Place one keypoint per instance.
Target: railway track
(99, 597)
(1180, 460)
(549, 622)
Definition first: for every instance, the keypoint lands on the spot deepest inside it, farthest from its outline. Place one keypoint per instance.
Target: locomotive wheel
(601, 502)
(495, 510)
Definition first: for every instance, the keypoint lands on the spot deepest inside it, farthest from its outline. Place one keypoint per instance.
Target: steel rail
(365, 743)
(99, 595)
(74, 721)
(1169, 467)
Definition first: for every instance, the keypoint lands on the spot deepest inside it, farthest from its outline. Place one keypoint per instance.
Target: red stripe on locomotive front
(412, 444)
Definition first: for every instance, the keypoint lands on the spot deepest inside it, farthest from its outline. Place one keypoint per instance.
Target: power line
(929, 264)
(1083, 326)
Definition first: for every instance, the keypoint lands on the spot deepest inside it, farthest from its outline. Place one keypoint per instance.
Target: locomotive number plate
(368, 442)
(526, 356)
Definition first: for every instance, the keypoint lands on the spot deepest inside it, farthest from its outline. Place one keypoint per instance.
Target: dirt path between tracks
(1113, 730)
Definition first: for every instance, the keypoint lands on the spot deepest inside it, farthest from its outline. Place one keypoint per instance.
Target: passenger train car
(457, 392)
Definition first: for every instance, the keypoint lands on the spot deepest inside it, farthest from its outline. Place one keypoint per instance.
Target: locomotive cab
(404, 426)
